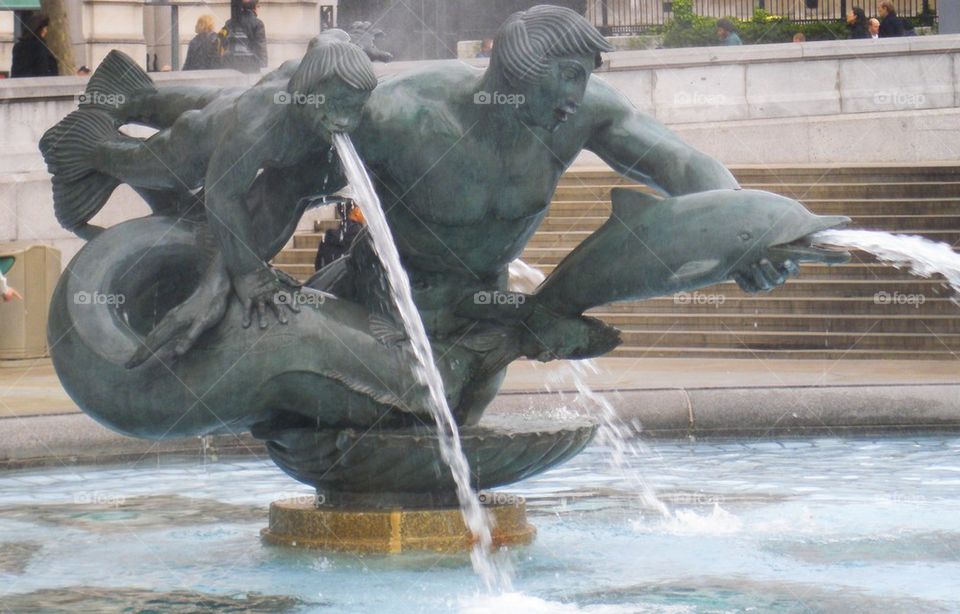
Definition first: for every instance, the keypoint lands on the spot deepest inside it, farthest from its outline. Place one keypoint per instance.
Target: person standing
(246, 19)
(204, 50)
(31, 56)
(873, 28)
(891, 26)
(857, 23)
(7, 293)
(728, 33)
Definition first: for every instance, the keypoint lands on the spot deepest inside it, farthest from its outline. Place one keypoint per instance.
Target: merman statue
(465, 162)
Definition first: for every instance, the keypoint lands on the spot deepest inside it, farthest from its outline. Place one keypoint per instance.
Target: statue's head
(546, 54)
(333, 82)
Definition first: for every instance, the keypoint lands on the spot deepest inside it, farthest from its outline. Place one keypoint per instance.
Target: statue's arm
(230, 174)
(644, 150)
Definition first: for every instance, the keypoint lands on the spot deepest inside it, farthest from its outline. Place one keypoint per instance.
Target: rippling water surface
(818, 525)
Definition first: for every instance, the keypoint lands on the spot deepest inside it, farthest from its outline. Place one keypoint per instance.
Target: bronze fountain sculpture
(211, 339)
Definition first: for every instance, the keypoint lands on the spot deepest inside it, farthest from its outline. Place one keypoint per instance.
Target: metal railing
(622, 17)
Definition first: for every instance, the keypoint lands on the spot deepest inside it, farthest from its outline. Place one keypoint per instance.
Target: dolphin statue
(652, 246)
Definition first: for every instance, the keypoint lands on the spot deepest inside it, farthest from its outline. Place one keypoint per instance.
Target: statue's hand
(180, 328)
(766, 274)
(783, 261)
(265, 288)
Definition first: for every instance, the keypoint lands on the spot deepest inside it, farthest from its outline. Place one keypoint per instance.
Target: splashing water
(615, 433)
(523, 277)
(495, 577)
(627, 452)
(919, 255)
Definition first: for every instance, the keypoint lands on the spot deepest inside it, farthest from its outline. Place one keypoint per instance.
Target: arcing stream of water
(493, 575)
(919, 255)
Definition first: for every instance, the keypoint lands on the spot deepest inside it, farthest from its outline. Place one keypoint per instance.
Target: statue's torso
(457, 198)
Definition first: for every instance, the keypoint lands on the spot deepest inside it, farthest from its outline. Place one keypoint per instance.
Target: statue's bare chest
(472, 183)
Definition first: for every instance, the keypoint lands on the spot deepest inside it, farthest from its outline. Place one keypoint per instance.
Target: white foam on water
(919, 255)
(688, 522)
(494, 572)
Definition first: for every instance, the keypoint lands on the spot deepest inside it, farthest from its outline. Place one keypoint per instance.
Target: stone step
(800, 191)
(801, 174)
(778, 322)
(821, 206)
(296, 256)
(902, 223)
(299, 271)
(626, 351)
(706, 302)
(788, 340)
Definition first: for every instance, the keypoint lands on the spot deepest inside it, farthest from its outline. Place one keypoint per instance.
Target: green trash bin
(33, 270)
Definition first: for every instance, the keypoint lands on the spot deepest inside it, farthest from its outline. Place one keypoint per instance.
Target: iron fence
(622, 17)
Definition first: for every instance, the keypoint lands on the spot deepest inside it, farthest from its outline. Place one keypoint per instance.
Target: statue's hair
(528, 39)
(333, 57)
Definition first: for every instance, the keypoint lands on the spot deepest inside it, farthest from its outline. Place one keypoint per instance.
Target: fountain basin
(402, 467)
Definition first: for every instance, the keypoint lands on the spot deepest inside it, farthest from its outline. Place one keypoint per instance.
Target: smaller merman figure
(227, 142)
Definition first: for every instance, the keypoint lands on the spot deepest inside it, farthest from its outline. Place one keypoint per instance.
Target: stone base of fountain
(388, 490)
(298, 523)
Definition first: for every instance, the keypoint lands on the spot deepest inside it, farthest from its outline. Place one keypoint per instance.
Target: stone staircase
(861, 309)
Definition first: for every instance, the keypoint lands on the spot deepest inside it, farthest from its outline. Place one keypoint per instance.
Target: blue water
(808, 525)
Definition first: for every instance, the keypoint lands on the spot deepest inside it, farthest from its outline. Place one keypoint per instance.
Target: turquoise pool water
(807, 525)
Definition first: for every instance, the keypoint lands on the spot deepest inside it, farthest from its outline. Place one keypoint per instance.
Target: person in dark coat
(253, 28)
(857, 23)
(204, 50)
(891, 25)
(31, 57)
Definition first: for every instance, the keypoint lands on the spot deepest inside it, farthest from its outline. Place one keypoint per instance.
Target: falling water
(919, 255)
(425, 369)
(619, 436)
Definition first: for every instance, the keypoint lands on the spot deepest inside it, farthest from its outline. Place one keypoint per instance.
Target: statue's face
(337, 110)
(551, 101)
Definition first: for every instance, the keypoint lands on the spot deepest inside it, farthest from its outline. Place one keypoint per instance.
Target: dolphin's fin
(626, 200)
(385, 330)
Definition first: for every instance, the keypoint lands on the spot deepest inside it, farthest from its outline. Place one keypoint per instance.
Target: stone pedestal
(300, 524)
